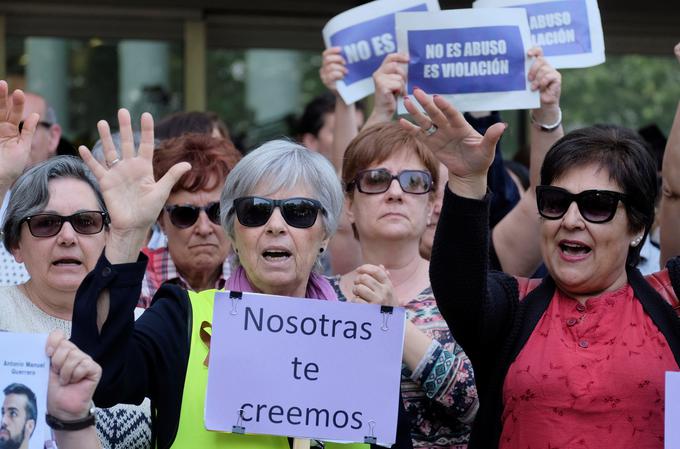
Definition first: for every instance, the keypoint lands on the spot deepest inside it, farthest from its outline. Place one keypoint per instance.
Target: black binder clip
(238, 428)
(370, 438)
(234, 296)
(386, 311)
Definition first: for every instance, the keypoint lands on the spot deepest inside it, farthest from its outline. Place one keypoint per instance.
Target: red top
(588, 377)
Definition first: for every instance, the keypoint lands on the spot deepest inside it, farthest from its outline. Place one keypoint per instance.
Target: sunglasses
(184, 216)
(254, 211)
(595, 206)
(48, 225)
(378, 180)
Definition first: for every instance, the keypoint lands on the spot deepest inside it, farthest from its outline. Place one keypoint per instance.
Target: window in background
(86, 80)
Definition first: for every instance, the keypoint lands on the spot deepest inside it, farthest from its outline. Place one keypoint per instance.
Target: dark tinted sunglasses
(254, 211)
(48, 225)
(595, 206)
(378, 180)
(184, 216)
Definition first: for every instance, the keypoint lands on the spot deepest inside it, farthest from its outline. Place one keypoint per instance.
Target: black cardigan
(147, 357)
(485, 315)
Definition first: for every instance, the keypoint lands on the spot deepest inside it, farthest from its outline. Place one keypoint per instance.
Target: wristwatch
(551, 127)
(76, 424)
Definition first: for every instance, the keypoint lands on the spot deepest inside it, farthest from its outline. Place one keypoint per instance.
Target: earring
(636, 241)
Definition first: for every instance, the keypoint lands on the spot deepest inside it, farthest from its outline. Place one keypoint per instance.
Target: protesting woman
(579, 359)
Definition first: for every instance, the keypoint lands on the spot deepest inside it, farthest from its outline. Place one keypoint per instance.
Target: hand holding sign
(548, 82)
(333, 68)
(390, 82)
(73, 379)
(465, 153)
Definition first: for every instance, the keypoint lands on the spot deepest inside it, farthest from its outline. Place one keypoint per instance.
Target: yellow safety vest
(191, 432)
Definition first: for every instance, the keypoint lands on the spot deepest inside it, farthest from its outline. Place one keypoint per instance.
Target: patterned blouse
(440, 394)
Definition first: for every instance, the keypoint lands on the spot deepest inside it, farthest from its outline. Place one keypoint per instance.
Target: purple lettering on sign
(365, 45)
(560, 28)
(467, 60)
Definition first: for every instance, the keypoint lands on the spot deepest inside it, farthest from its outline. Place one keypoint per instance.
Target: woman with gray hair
(56, 224)
(279, 206)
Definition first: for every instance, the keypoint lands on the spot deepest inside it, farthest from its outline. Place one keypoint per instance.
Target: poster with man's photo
(24, 374)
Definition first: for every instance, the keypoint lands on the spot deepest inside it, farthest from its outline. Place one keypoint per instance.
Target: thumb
(493, 134)
(173, 175)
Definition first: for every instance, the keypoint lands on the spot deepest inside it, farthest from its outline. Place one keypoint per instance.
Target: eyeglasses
(595, 206)
(40, 123)
(379, 180)
(254, 211)
(185, 215)
(48, 225)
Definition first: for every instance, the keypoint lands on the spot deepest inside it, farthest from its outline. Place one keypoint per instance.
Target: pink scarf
(318, 286)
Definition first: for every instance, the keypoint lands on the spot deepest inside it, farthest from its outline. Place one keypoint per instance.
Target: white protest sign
(304, 368)
(24, 374)
(672, 411)
(474, 58)
(366, 36)
(569, 31)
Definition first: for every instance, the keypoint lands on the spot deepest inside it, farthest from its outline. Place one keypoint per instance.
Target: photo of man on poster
(19, 413)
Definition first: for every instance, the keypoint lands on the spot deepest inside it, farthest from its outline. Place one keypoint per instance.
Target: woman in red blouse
(576, 360)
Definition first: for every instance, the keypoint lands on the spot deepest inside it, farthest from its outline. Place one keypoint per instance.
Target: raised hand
(548, 82)
(373, 285)
(332, 68)
(134, 199)
(389, 81)
(73, 379)
(15, 145)
(465, 153)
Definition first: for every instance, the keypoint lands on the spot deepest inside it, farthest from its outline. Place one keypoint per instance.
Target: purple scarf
(318, 286)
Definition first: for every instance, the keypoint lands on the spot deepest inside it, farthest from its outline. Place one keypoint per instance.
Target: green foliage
(632, 91)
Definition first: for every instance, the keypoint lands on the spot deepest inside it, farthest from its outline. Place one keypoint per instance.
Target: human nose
(572, 218)
(394, 191)
(276, 224)
(203, 224)
(66, 234)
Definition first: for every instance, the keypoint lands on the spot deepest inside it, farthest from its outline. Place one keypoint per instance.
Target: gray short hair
(30, 193)
(283, 165)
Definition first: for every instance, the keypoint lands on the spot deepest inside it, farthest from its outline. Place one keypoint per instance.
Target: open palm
(15, 146)
(133, 197)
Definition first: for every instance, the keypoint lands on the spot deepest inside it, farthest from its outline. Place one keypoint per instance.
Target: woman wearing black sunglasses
(196, 254)
(577, 360)
(56, 224)
(279, 206)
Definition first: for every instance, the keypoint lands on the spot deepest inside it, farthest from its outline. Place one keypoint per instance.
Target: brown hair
(377, 143)
(211, 160)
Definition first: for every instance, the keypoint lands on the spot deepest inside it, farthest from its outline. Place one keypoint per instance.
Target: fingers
(16, 110)
(373, 285)
(493, 134)
(171, 177)
(146, 144)
(127, 141)
(93, 164)
(68, 362)
(332, 67)
(4, 99)
(27, 131)
(109, 149)
(53, 340)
